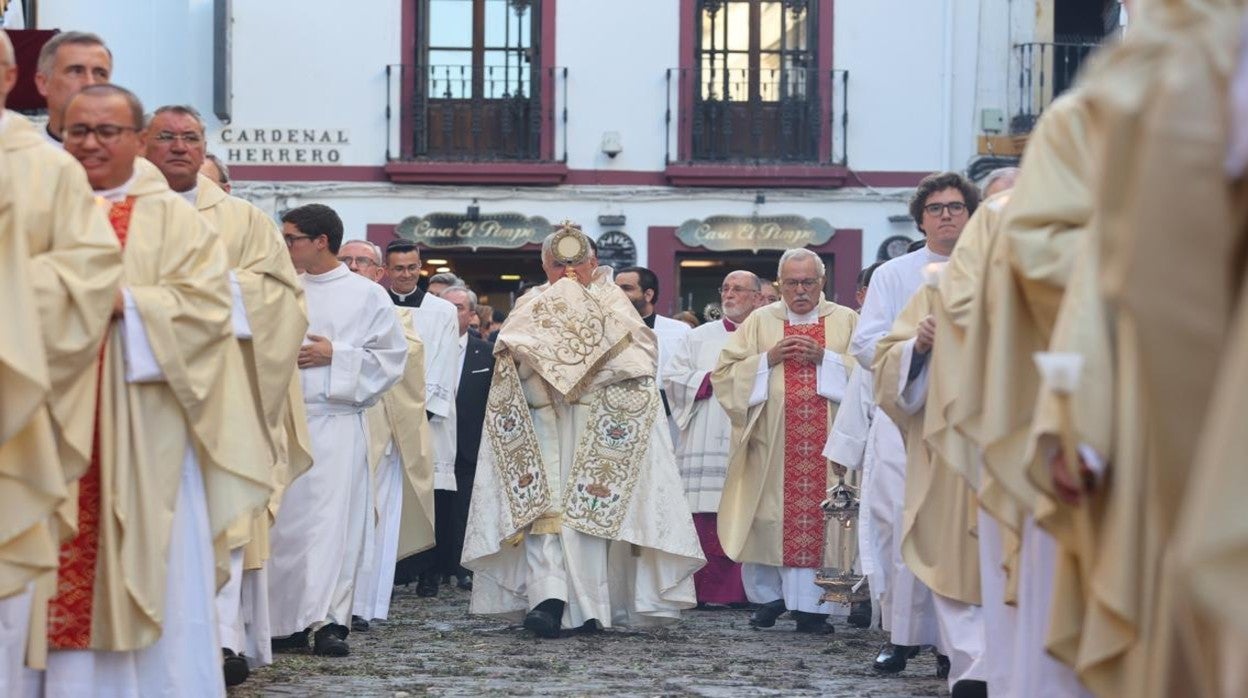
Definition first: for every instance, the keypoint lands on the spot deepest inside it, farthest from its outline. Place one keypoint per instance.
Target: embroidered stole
(805, 469)
(69, 611)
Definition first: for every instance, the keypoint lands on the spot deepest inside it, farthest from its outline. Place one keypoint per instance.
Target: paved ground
(433, 647)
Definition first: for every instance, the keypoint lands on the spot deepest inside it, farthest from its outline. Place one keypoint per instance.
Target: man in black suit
(476, 368)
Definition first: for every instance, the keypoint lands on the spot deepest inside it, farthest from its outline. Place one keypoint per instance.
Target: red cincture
(805, 469)
(69, 611)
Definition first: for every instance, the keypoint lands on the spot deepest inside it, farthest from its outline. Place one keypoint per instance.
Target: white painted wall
(310, 64)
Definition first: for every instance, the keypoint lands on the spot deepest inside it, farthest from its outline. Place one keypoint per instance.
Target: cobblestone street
(433, 647)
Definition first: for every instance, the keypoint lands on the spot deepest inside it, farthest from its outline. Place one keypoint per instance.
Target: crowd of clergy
(223, 436)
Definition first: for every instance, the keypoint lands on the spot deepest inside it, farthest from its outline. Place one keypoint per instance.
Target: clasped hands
(795, 348)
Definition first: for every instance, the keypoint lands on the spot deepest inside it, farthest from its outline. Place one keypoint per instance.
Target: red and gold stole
(69, 611)
(805, 470)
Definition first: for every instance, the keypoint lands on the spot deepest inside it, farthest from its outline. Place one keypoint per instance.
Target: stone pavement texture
(433, 647)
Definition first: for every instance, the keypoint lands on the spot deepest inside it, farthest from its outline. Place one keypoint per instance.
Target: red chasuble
(69, 612)
(805, 469)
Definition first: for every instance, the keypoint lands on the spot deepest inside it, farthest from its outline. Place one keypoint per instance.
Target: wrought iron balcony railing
(789, 116)
(1045, 71)
(476, 113)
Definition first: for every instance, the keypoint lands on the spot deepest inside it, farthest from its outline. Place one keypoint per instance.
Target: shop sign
(616, 250)
(736, 233)
(501, 230)
(283, 145)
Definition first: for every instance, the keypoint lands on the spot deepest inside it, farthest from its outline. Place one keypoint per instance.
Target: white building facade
(689, 136)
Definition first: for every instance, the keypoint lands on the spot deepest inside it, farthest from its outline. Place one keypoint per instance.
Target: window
(478, 83)
(756, 80)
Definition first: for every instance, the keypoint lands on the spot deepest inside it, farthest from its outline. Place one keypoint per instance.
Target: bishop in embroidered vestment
(780, 379)
(578, 516)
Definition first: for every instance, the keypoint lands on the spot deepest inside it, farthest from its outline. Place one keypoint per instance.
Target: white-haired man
(705, 432)
(780, 379)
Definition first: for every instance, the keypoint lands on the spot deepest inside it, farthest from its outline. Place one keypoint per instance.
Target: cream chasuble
(777, 476)
(576, 479)
(276, 323)
(178, 303)
(71, 276)
(938, 542)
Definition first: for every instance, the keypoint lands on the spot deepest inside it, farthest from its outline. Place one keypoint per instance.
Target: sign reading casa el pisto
(736, 233)
(505, 230)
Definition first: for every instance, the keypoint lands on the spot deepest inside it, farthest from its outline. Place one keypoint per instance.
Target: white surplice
(437, 323)
(671, 333)
(705, 430)
(14, 627)
(376, 581)
(318, 538)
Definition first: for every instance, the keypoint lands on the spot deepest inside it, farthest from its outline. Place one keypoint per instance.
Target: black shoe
(427, 586)
(969, 688)
(942, 666)
(295, 643)
(235, 668)
(465, 582)
(892, 658)
(765, 616)
(545, 619)
(358, 624)
(813, 623)
(331, 641)
(860, 614)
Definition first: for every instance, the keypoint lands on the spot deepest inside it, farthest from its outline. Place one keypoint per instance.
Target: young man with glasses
(705, 433)
(269, 323)
(941, 206)
(355, 351)
(781, 378)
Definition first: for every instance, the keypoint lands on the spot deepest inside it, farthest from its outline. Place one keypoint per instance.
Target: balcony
(786, 127)
(458, 124)
(1045, 71)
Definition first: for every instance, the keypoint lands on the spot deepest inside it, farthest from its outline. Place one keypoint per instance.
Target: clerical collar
(649, 320)
(404, 296)
(808, 319)
(51, 138)
(118, 193)
(190, 194)
(729, 325)
(336, 273)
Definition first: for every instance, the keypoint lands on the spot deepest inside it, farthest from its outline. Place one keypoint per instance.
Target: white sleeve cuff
(832, 377)
(141, 364)
(344, 372)
(759, 394)
(1095, 462)
(242, 328)
(911, 394)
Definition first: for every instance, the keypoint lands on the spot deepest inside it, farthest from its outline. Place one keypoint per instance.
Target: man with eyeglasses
(270, 324)
(68, 62)
(398, 445)
(940, 206)
(705, 433)
(355, 351)
(173, 464)
(781, 379)
(438, 325)
(73, 267)
(769, 293)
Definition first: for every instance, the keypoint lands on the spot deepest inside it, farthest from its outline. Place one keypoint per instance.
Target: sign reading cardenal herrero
(500, 230)
(283, 146)
(753, 233)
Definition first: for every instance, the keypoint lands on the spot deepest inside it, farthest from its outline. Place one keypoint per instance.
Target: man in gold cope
(578, 516)
(780, 378)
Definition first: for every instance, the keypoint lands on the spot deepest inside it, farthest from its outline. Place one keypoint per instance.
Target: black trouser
(450, 520)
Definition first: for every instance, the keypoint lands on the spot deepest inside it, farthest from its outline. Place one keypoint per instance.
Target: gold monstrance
(570, 247)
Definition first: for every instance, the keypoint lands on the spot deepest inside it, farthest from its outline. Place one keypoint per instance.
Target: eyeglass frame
(806, 284)
(737, 289)
(67, 133)
(186, 137)
(292, 239)
(360, 261)
(935, 209)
